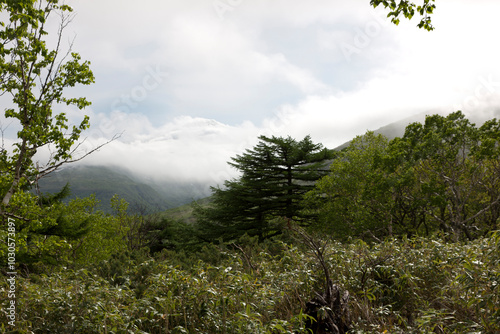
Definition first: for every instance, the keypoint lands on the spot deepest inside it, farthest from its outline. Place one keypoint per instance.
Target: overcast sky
(191, 83)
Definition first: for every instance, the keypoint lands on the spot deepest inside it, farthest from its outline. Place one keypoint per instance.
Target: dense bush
(422, 285)
(398, 286)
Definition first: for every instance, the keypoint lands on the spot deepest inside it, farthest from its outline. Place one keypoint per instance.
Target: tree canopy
(442, 175)
(36, 69)
(36, 77)
(275, 175)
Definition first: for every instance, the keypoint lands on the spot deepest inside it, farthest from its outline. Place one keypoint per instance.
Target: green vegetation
(36, 78)
(397, 236)
(185, 213)
(383, 248)
(398, 286)
(104, 183)
(441, 176)
(276, 173)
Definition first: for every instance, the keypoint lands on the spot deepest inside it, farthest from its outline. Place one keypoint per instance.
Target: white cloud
(270, 67)
(218, 68)
(184, 149)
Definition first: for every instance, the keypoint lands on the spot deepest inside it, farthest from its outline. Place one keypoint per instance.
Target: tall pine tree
(275, 174)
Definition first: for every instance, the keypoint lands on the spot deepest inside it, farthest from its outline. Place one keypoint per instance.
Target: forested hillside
(105, 182)
(396, 234)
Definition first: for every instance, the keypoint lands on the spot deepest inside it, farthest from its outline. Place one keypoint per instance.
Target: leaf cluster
(407, 9)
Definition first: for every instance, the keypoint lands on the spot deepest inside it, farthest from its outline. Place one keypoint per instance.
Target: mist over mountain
(105, 181)
(143, 189)
(397, 129)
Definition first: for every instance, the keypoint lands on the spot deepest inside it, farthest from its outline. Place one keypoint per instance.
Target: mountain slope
(105, 182)
(155, 196)
(184, 213)
(393, 130)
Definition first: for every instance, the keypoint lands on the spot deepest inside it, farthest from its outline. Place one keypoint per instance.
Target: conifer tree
(274, 176)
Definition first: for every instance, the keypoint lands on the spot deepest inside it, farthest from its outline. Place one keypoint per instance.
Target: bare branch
(44, 172)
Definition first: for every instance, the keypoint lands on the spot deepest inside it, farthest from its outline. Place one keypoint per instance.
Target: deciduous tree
(354, 198)
(442, 175)
(37, 68)
(456, 164)
(36, 77)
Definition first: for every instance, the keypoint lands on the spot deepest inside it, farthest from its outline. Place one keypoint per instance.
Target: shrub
(397, 286)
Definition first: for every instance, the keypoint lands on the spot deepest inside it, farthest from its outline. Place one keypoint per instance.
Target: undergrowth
(398, 286)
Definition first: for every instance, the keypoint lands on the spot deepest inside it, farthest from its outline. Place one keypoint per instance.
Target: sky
(189, 84)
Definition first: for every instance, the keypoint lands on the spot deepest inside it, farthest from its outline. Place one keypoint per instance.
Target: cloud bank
(191, 84)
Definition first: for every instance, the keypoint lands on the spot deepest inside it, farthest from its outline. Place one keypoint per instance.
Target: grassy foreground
(398, 286)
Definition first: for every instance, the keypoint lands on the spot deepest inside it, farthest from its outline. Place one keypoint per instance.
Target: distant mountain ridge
(104, 182)
(393, 130)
